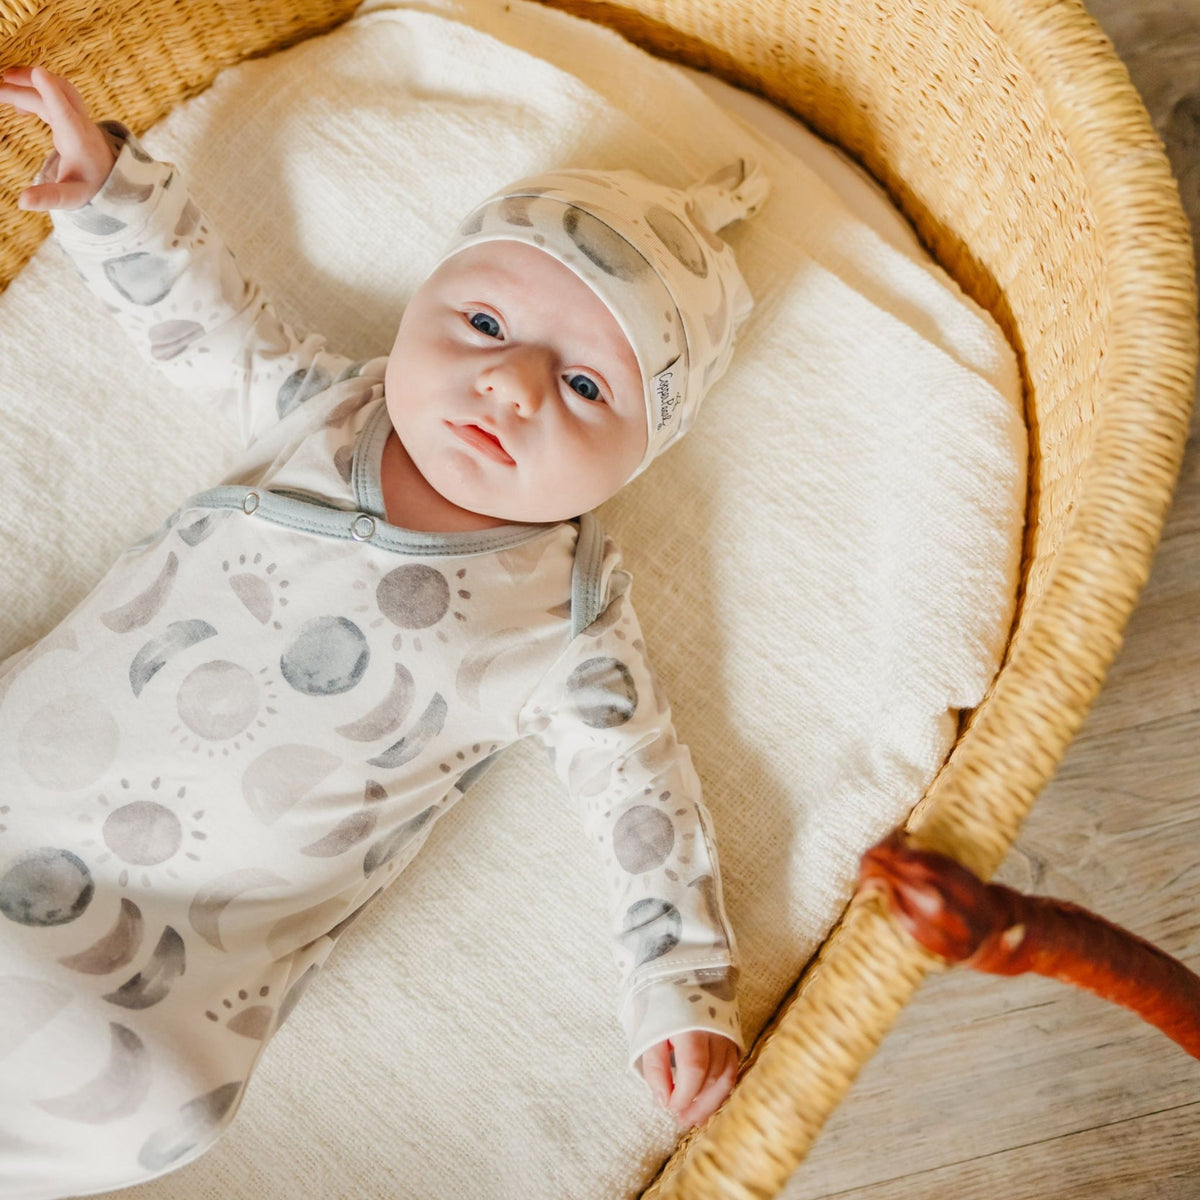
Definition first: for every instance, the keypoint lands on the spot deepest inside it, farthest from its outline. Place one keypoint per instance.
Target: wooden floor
(1023, 1089)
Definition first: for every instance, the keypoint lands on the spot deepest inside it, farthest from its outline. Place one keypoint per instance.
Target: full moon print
(218, 700)
(603, 692)
(413, 596)
(144, 833)
(68, 743)
(46, 887)
(642, 839)
(328, 657)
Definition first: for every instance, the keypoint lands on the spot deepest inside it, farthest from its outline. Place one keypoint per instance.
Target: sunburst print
(221, 706)
(145, 827)
(421, 600)
(257, 587)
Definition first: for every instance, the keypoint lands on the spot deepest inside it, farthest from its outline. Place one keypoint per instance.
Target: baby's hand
(84, 157)
(699, 1078)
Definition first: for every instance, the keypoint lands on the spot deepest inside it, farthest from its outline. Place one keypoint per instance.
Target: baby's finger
(656, 1070)
(691, 1068)
(24, 98)
(711, 1095)
(44, 196)
(62, 115)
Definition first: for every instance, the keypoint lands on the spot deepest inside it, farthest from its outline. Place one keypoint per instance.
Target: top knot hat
(652, 255)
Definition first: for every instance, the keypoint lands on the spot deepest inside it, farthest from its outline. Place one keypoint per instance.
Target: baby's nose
(519, 377)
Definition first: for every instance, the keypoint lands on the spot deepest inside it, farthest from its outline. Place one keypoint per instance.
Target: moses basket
(1082, 254)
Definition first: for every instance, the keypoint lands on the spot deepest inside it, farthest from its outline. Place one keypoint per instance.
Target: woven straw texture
(1009, 133)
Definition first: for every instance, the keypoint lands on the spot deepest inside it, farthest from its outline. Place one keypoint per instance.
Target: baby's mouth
(479, 438)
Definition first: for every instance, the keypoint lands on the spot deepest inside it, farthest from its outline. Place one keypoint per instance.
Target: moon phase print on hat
(46, 887)
(117, 1091)
(192, 1127)
(329, 656)
(603, 692)
(413, 596)
(142, 278)
(603, 245)
(68, 743)
(650, 929)
(678, 239)
(643, 838)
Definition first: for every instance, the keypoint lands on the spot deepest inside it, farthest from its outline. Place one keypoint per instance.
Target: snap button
(362, 528)
(250, 503)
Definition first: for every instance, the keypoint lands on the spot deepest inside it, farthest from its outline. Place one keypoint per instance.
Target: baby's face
(513, 389)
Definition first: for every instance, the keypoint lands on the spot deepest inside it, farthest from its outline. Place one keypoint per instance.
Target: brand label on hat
(666, 399)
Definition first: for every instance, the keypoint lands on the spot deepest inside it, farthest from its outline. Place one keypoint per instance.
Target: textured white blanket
(824, 571)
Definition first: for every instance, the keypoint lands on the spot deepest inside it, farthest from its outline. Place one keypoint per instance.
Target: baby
(249, 727)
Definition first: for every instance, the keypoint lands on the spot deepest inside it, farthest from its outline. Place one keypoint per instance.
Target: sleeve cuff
(703, 1000)
(126, 200)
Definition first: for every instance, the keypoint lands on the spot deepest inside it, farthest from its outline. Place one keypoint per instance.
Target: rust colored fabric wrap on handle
(992, 928)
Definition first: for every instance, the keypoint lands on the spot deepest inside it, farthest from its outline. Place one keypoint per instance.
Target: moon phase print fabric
(251, 725)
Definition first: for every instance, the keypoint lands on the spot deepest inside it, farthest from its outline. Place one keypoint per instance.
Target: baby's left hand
(703, 1074)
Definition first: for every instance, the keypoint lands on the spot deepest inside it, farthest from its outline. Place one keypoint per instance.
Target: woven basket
(1009, 133)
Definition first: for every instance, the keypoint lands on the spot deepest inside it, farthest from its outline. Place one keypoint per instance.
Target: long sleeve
(154, 260)
(603, 716)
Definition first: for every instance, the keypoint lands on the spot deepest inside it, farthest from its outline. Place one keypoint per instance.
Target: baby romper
(249, 727)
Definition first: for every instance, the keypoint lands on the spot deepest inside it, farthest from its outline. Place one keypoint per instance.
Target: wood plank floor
(1022, 1088)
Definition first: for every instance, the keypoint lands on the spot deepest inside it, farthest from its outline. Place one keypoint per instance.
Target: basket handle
(992, 928)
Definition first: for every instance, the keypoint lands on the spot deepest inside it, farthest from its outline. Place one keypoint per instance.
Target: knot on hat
(735, 191)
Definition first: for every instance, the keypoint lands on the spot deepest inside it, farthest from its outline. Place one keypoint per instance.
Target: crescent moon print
(157, 652)
(116, 949)
(194, 1125)
(343, 836)
(148, 987)
(116, 1092)
(195, 532)
(25, 1006)
(141, 609)
(388, 715)
(428, 726)
(478, 661)
(204, 913)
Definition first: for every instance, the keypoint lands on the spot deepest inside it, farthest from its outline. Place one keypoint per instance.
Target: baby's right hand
(84, 157)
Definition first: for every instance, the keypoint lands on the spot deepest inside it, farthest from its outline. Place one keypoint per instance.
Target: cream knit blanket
(824, 571)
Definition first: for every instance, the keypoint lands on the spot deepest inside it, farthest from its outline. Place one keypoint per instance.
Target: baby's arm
(602, 713)
(151, 256)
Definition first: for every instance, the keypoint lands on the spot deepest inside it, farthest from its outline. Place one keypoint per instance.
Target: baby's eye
(485, 323)
(584, 386)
